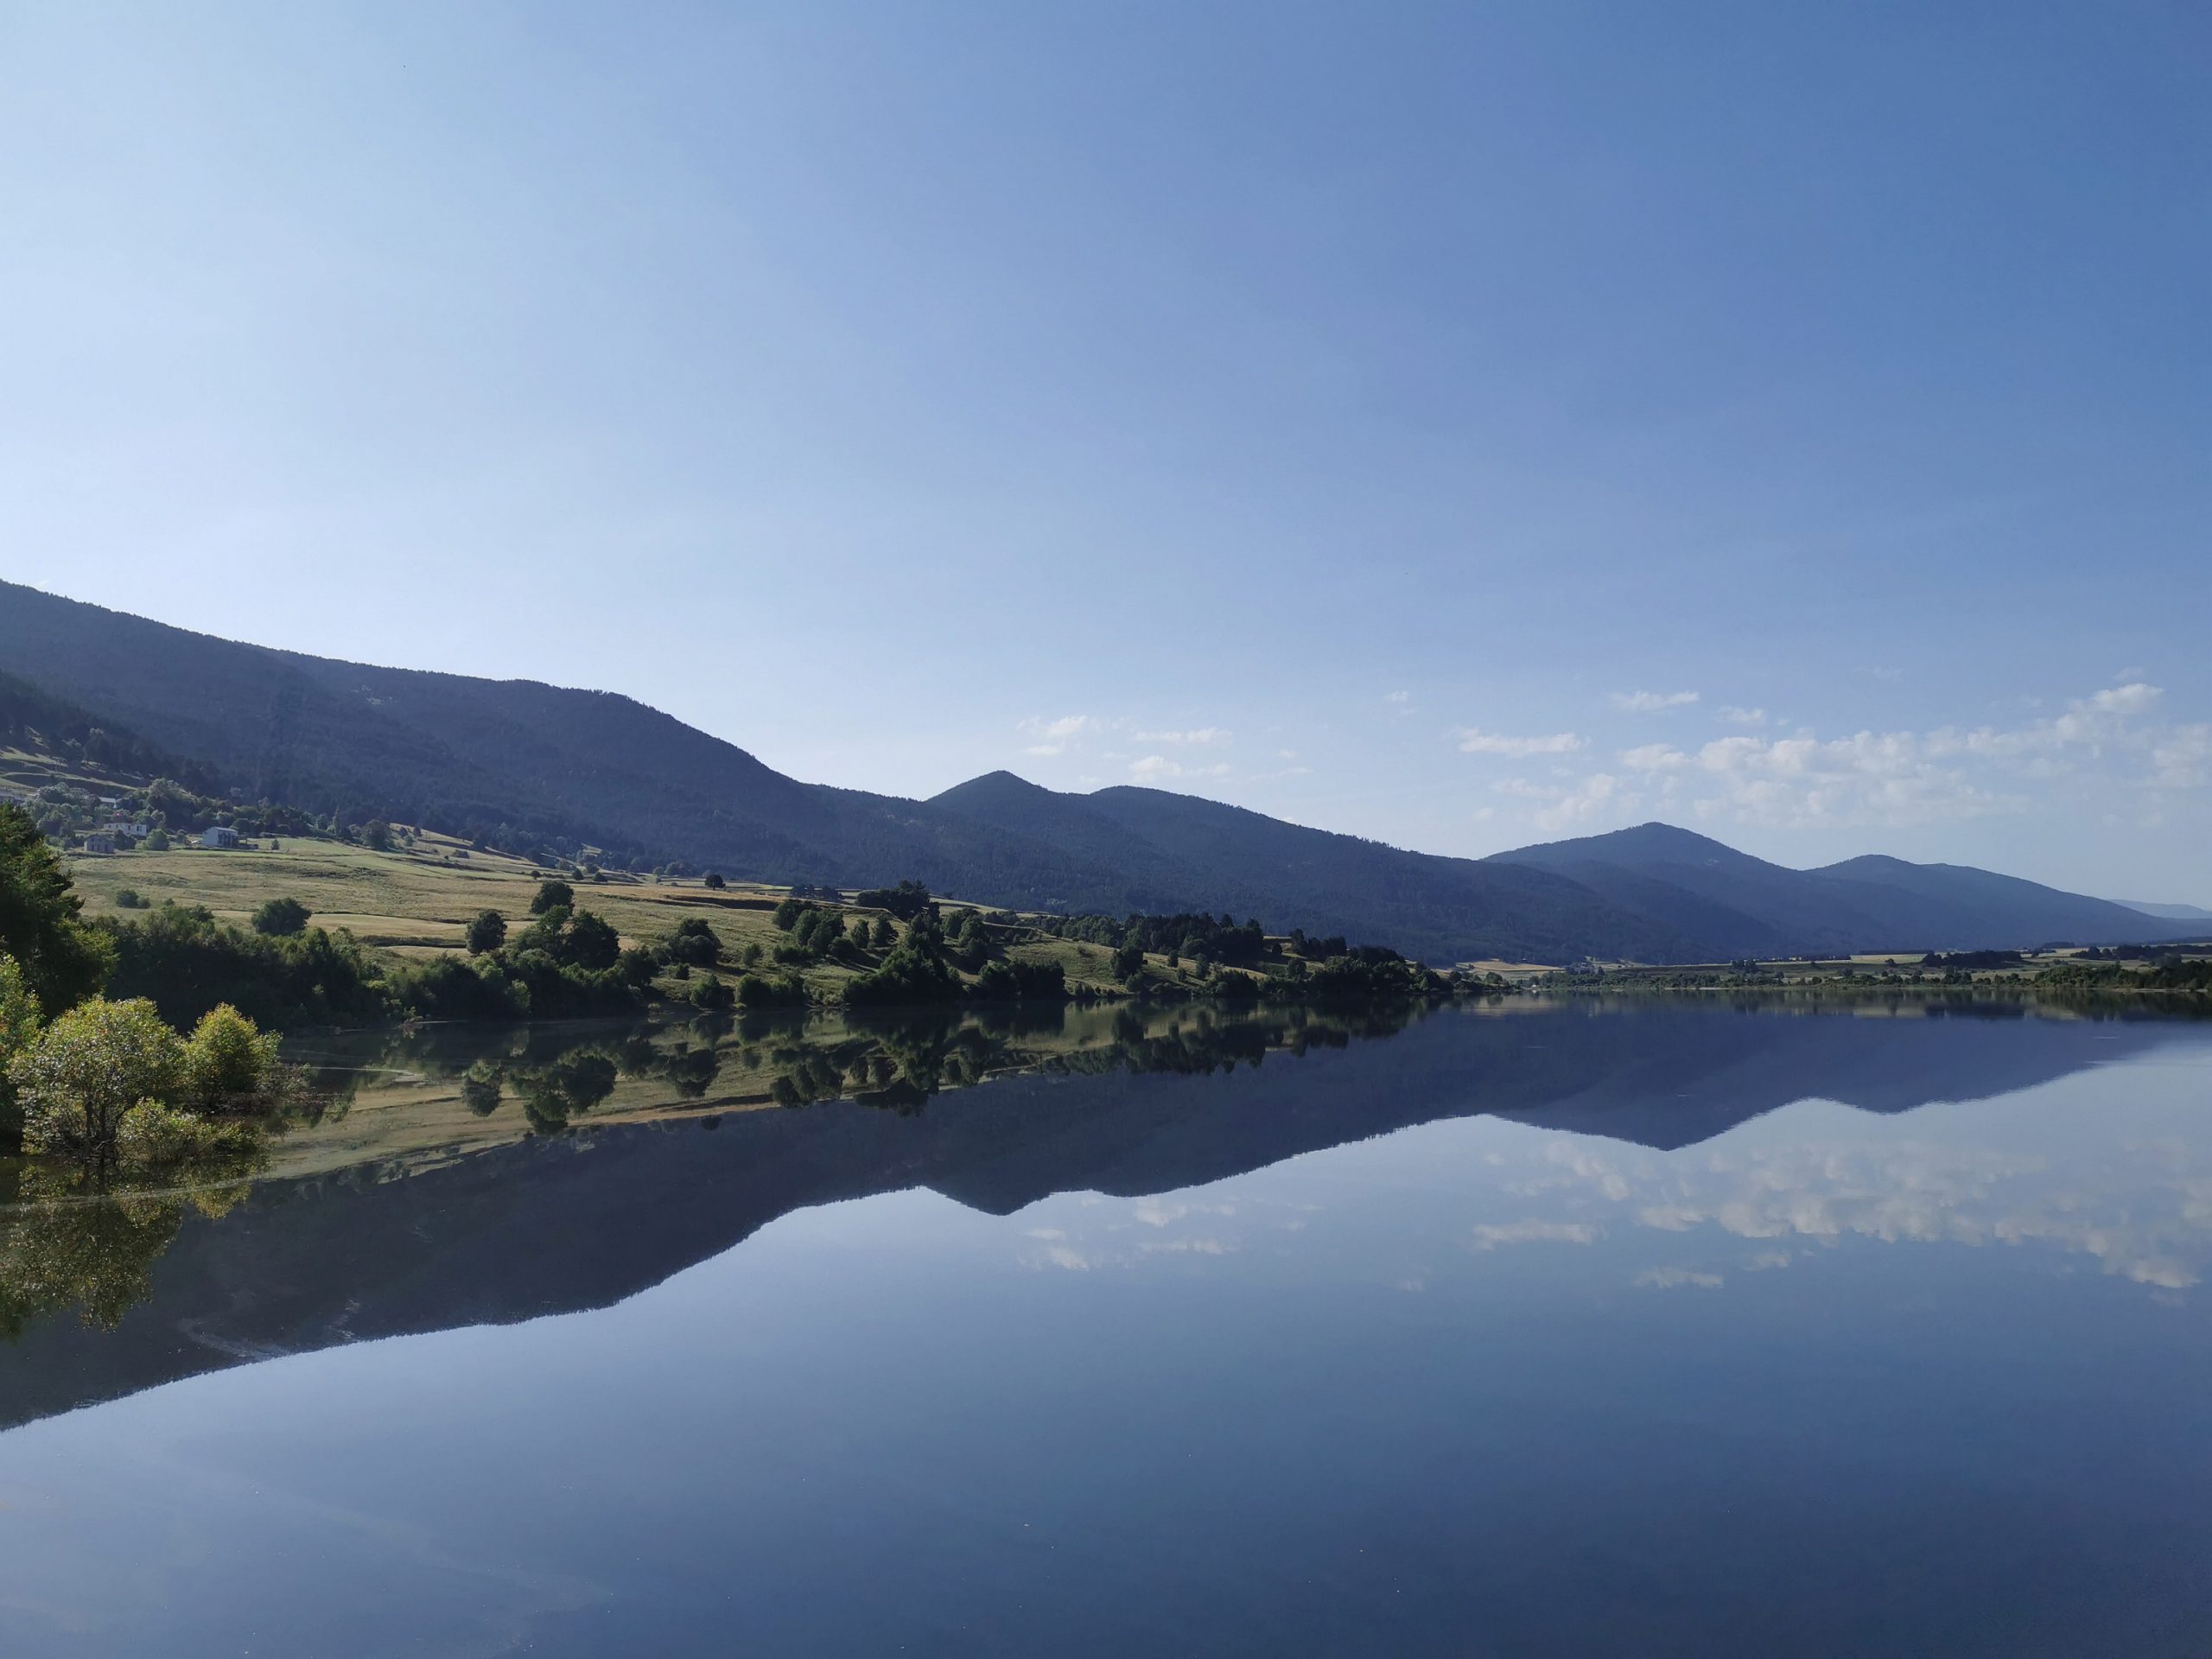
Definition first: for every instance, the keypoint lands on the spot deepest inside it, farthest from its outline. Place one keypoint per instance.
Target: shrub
(759, 991)
(555, 991)
(1236, 987)
(281, 918)
(592, 944)
(553, 895)
(1022, 982)
(905, 901)
(154, 1132)
(230, 1065)
(909, 975)
(694, 942)
(572, 938)
(92, 1066)
(187, 963)
(446, 988)
(130, 898)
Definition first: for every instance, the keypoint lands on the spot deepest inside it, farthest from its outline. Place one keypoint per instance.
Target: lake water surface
(1663, 1328)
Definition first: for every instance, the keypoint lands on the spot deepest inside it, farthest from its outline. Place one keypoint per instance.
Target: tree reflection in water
(455, 1103)
(70, 1238)
(88, 1240)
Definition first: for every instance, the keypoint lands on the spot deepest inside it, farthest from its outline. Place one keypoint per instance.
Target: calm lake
(1662, 1328)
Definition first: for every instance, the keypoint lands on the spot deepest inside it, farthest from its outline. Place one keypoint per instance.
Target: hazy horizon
(1461, 431)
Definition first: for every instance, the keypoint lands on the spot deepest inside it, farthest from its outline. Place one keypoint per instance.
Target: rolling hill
(1870, 903)
(2195, 915)
(523, 765)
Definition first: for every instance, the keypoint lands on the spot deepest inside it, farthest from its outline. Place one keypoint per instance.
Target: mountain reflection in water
(467, 1176)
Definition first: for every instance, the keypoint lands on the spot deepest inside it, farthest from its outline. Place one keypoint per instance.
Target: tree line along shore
(139, 1019)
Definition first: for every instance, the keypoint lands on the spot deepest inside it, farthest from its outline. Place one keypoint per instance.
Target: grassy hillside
(415, 902)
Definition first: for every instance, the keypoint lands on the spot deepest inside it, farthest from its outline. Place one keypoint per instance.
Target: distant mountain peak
(1642, 843)
(991, 786)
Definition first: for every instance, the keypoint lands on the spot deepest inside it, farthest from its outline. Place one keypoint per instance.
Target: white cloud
(2133, 698)
(1202, 737)
(2141, 1208)
(1677, 1278)
(1738, 716)
(1052, 735)
(1164, 1212)
(2182, 757)
(2104, 743)
(1151, 768)
(1056, 735)
(1654, 757)
(1594, 796)
(1192, 1246)
(1564, 805)
(1489, 1236)
(1398, 696)
(1650, 703)
(1474, 740)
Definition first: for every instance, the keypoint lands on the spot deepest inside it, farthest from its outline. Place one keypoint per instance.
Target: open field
(412, 903)
(409, 901)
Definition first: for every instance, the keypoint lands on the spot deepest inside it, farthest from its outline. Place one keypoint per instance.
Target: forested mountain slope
(526, 766)
(1872, 903)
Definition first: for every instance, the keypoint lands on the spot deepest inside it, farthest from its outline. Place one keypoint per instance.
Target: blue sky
(1462, 426)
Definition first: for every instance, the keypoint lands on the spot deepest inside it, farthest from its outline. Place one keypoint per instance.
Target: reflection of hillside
(565, 1221)
(430, 1094)
(1685, 1088)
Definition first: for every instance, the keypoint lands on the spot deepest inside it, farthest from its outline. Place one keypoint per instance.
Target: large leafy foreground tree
(63, 961)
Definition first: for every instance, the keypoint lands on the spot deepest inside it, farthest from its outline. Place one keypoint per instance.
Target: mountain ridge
(523, 764)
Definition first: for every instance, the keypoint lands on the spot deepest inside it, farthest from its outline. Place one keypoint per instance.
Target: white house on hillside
(221, 835)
